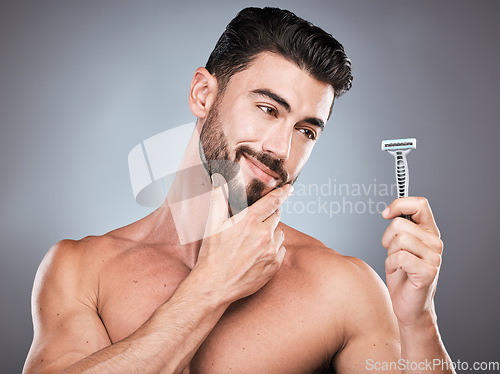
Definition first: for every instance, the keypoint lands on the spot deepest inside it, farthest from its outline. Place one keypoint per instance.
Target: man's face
(260, 133)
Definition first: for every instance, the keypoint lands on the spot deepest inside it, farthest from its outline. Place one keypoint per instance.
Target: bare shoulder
(315, 256)
(348, 285)
(75, 265)
(66, 323)
(88, 253)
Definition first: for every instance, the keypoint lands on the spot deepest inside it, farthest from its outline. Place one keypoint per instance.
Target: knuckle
(403, 257)
(274, 266)
(439, 245)
(438, 234)
(252, 218)
(275, 250)
(401, 222)
(395, 244)
(388, 261)
(398, 256)
(402, 237)
(263, 238)
(270, 237)
(399, 241)
(276, 202)
(283, 193)
(280, 237)
(398, 223)
(386, 238)
(384, 242)
(423, 202)
(278, 233)
(432, 272)
(269, 254)
(437, 260)
(435, 243)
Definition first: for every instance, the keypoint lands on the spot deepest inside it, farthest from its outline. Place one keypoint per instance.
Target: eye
(268, 110)
(308, 133)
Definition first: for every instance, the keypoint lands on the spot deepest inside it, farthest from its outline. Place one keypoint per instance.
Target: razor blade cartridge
(394, 144)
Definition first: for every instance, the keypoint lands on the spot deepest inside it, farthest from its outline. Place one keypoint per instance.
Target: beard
(216, 157)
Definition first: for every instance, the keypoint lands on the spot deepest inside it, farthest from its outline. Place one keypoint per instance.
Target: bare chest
(276, 330)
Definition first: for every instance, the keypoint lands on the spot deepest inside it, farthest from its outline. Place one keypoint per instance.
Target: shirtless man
(250, 294)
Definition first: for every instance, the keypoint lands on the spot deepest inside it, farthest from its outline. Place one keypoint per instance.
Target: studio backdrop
(83, 82)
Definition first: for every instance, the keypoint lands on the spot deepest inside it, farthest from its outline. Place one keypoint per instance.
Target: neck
(182, 217)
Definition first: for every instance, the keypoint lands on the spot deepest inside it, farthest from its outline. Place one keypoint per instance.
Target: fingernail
(290, 189)
(386, 211)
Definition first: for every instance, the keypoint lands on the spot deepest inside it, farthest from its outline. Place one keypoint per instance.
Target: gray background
(84, 82)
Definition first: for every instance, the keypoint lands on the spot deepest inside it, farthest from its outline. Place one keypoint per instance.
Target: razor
(399, 148)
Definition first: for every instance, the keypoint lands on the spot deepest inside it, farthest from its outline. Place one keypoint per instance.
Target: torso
(292, 325)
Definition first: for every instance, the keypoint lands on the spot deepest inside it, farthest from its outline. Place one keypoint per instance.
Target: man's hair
(256, 30)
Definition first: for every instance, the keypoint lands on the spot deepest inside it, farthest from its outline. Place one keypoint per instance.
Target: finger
(400, 225)
(409, 243)
(419, 272)
(416, 207)
(268, 204)
(254, 218)
(271, 222)
(276, 257)
(279, 236)
(218, 212)
(281, 255)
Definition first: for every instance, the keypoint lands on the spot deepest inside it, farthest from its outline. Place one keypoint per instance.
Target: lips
(262, 167)
(260, 170)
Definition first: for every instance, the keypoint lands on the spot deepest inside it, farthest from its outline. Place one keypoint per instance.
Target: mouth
(259, 170)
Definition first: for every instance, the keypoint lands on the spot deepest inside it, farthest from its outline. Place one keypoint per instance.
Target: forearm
(168, 340)
(423, 350)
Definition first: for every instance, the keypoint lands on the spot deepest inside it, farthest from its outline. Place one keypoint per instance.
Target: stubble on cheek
(214, 151)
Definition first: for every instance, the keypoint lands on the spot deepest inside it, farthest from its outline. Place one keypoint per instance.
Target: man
(212, 282)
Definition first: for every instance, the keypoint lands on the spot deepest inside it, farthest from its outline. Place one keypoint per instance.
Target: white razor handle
(399, 148)
(402, 176)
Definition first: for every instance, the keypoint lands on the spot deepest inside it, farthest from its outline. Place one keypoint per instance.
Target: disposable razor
(399, 148)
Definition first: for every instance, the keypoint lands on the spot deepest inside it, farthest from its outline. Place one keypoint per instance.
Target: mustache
(273, 163)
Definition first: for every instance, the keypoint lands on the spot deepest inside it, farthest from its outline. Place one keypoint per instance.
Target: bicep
(372, 352)
(372, 344)
(67, 327)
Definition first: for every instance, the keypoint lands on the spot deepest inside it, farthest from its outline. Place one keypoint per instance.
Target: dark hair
(256, 30)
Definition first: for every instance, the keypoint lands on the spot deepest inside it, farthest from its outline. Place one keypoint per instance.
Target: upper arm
(372, 343)
(67, 327)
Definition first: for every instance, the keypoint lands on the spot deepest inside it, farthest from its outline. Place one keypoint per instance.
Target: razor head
(395, 144)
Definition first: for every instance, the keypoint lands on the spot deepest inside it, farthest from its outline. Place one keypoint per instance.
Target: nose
(278, 140)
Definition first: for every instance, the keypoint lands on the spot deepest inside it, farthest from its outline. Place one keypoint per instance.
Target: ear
(203, 92)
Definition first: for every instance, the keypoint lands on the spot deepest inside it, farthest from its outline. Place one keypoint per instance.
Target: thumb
(218, 212)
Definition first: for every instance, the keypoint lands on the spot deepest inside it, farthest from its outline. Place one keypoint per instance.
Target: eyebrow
(271, 95)
(315, 122)
(281, 101)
